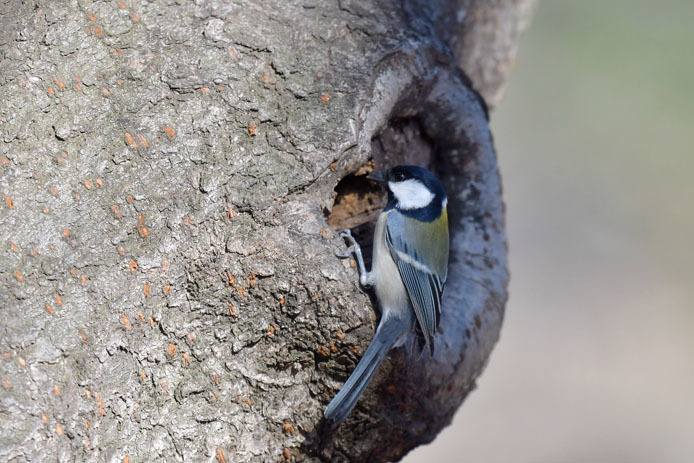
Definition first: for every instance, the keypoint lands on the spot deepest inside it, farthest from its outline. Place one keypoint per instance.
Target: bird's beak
(378, 178)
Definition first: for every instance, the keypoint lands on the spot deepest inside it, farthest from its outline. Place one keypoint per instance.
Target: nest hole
(358, 201)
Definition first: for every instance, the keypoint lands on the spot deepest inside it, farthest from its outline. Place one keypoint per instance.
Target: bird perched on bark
(408, 273)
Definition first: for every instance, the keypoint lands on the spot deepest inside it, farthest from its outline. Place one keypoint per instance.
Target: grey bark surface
(169, 286)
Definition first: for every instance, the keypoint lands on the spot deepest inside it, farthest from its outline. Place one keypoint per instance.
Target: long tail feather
(387, 334)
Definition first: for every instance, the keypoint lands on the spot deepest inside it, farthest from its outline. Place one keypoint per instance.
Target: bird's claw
(365, 278)
(347, 235)
(348, 252)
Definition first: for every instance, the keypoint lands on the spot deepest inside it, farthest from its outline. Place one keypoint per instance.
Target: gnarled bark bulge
(169, 286)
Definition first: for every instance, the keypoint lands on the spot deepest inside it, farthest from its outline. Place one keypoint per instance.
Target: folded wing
(420, 251)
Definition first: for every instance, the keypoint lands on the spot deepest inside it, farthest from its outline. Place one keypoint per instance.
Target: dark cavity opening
(359, 201)
(403, 142)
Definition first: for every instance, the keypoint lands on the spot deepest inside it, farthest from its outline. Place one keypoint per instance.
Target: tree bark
(169, 282)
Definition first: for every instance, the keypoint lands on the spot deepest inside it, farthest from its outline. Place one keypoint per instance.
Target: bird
(408, 273)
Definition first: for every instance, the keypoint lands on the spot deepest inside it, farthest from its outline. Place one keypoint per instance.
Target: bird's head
(414, 191)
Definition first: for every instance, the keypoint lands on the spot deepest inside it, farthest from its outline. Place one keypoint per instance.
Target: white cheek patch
(411, 194)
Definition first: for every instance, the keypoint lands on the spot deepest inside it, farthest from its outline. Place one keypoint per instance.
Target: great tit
(408, 273)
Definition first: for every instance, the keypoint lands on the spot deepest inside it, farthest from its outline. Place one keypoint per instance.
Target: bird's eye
(398, 176)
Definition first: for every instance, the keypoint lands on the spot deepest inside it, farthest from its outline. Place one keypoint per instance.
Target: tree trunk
(170, 287)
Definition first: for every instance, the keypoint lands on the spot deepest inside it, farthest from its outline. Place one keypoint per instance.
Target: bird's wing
(420, 251)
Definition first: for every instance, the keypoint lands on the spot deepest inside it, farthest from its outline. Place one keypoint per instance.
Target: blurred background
(595, 138)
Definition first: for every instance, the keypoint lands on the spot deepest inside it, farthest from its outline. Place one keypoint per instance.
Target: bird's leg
(365, 278)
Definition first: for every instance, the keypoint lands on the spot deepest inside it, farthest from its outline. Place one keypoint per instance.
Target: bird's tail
(387, 334)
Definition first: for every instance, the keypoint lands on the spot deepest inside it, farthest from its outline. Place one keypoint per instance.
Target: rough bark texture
(169, 286)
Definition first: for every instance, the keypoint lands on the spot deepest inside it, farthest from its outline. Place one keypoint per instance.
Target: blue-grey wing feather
(422, 296)
(420, 251)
